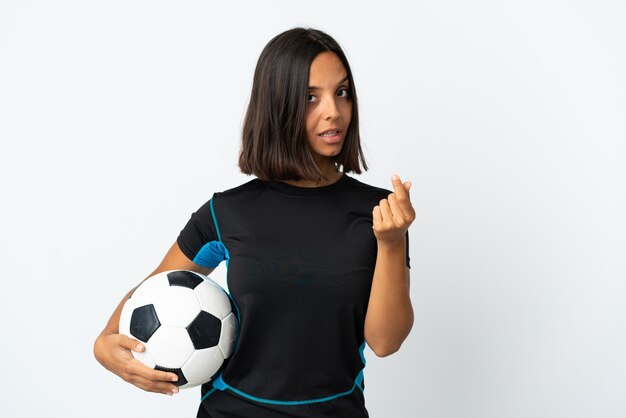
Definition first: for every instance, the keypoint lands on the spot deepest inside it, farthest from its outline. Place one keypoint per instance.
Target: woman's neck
(332, 174)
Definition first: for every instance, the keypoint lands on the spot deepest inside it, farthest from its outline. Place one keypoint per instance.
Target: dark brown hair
(274, 142)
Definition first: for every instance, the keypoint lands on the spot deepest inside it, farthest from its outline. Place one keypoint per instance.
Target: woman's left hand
(393, 215)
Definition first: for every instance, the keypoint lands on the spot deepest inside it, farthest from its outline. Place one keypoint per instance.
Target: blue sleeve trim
(211, 254)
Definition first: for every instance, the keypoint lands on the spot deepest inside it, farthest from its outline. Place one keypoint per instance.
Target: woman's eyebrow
(317, 88)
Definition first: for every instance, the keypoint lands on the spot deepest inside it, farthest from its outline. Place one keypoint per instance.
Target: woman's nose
(330, 109)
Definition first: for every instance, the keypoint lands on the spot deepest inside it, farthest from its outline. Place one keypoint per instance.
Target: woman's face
(328, 107)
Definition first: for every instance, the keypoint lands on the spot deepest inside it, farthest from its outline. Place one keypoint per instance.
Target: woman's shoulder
(241, 189)
(361, 186)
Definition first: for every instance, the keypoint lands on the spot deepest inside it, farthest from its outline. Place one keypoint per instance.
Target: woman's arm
(113, 350)
(389, 317)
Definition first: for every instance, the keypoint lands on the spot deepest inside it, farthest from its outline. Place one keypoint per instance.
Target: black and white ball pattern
(187, 323)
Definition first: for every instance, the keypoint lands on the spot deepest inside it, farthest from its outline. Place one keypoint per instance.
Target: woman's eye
(307, 97)
(347, 93)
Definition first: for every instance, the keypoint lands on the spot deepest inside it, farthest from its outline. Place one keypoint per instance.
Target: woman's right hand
(113, 351)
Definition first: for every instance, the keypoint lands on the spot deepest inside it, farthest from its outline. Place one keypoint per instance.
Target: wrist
(391, 245)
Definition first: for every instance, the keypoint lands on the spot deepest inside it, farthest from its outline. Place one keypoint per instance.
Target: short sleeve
(199, 239)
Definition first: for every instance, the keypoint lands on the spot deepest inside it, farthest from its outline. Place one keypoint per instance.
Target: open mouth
(331, 137)
(330, 133)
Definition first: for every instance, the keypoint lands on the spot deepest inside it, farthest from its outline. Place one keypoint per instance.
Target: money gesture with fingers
(393, 215)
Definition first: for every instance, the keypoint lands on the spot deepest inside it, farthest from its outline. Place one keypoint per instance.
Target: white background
(118, 119)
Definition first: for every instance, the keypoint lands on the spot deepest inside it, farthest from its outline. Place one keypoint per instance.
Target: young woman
(317, 261)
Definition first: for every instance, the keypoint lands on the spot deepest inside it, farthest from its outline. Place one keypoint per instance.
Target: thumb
(132, 344)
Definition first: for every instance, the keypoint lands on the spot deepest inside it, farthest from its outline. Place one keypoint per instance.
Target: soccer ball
(187, 323)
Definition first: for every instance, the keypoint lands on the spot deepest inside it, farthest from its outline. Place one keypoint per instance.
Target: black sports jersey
(300, 263)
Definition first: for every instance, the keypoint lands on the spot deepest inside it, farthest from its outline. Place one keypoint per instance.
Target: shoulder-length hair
(274, 139)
